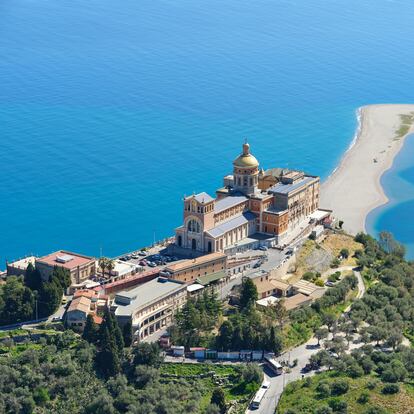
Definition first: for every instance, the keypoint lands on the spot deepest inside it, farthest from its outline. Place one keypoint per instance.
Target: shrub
(371, 384)
(323, 389)
(344, 253)
(376, 410)
(335, 263)
(323, 410)
(252, 373)
(354, 371)
(337, 405)
(339, 387)
(391, 389)
(307, 382)
(309, 276)
(319, 282)
(363, 398)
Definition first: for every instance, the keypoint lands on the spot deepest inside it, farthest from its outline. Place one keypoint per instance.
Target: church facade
(271, 202)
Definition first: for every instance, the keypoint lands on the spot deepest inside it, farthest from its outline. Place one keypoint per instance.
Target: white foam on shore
(353, 142)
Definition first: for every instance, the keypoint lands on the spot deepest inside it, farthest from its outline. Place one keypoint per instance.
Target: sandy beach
(354, 188)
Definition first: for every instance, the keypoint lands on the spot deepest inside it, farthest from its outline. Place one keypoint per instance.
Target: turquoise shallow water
(397, 215)
(111, 111)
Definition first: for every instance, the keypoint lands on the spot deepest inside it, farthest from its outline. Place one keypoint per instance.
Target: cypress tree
(32, 278)
(107, 358)
(248, 295)
(127, 334)
(90, 332)
(219, 399)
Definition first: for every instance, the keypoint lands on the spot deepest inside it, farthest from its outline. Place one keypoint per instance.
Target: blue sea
(111, 111)
(398, 184)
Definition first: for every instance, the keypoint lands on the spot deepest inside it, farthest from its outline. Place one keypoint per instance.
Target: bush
(337, 405)
(344, 253)
(307, 382)
(391, 389)
(323, 389)
(376, 410)
(335, 263)
(354, 371)
(323, 410)
(309, 276)
(363, 398)
(319, 282)
(252, 373)
(371, 384)
(339, 387)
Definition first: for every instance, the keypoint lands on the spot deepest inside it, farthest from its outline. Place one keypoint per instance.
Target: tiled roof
(185, 264)
(81, 303)
(295, 301)
(65, 259)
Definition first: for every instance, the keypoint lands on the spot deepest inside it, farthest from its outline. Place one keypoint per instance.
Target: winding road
(302, 353)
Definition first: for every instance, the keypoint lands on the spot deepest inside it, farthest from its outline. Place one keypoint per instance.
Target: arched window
(193, 226)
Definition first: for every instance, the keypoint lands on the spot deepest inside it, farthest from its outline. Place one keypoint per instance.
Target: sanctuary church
(272, 202)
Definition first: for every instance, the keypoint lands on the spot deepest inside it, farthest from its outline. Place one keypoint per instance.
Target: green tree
(390, 245)
(90, 332)
(127, 334)
(110, 265)
(329, 319)
(102, 263)
(32, 278)
(344, 253)
(218, 398)
(50, 297)
(147, 354)
(17, 302)
(321, 333)
(107, 358)
(280, 312)
(225, 336)
(248, 295)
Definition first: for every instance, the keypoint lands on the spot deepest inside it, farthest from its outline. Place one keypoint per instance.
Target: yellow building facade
(251, 201)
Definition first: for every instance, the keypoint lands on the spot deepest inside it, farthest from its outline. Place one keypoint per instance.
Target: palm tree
(103, 262)
(110, 265)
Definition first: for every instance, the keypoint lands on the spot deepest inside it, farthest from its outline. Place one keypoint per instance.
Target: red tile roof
(75, 261)
(97, 319)
(87, 293)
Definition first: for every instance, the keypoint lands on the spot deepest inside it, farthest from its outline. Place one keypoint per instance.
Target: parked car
(143, 262)
(141, 253)
(263, 248)
(152, 264)
(329, 284)
(56, 319)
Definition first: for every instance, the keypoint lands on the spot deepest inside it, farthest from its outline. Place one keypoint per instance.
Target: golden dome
(246, 160)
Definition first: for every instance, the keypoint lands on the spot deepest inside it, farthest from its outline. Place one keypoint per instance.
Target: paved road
(302, 353)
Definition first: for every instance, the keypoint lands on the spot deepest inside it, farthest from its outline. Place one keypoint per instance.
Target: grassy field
(227, 376)
(302, 397)
(336, 242)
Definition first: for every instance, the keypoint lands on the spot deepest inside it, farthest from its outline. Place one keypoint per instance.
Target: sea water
(397, 215)
(111, 111)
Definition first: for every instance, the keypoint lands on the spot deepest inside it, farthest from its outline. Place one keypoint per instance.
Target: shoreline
(354, 189)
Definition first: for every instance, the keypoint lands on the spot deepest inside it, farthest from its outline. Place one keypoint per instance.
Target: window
(193, 226)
